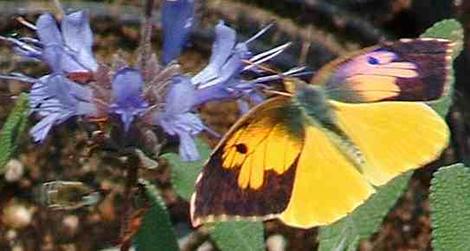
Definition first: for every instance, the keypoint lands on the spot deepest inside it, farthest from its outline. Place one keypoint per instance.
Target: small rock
(276, 242)
(16, 216)
(14, 170)
(71, 223)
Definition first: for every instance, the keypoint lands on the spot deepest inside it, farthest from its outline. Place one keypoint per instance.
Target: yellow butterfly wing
(394, 137)
(327, 185)
(251, 171)
(274, 163)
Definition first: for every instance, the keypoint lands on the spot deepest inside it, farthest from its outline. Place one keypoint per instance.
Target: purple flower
(72, 38)
(127, 96)
(221, 78)
(177, 20)
(176, 119)
(56, 99)
(224, 57)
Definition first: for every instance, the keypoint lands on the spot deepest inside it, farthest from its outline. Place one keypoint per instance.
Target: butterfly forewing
(405, 70)
(252, 171)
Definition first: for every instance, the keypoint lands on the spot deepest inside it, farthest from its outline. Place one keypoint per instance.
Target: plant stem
(146, 35)
(132, 164)
(195, 239)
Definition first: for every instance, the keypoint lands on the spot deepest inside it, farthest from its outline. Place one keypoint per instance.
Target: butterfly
(313, 156)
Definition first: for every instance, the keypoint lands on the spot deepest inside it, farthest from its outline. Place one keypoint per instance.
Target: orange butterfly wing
(251, 171)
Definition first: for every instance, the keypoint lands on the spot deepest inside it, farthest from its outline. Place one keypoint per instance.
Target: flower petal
(56, 94)
(127, 93)
(76, 31)
(40, 130)
(187, 147)
(185, 126)
(56, 99)
(78, 37)
(181, 96)
(215, 92)
(127, 87)
(48, 31)
(225, 38)
(52, 55)
(177, 21)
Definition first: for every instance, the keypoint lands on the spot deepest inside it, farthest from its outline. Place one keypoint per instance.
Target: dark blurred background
(320, 30)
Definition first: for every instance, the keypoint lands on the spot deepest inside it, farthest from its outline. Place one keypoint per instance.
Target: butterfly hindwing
(252, 171)
(405, 70)
(327, 185)
(394, 137)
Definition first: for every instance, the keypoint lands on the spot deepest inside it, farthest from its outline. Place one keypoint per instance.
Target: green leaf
(365, 220)
(184, 174)
(156, 232)
(238, 236)
(452, 30)
(450, 208)
(12, 129)
(449, 29)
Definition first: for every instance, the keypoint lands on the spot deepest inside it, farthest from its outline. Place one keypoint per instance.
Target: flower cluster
(159, 95)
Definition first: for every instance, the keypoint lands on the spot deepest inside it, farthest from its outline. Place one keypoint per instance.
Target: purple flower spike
(56, 99)
(177, 119)
(127, 93)
(177, 21)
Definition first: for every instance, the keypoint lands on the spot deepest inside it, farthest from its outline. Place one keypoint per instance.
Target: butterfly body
(312, 158)
(316, 111)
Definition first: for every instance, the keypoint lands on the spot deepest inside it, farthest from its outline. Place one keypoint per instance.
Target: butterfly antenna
(298, 71)
(286, 94)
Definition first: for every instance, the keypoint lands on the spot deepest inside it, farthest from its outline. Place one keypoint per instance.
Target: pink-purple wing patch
(406, 70)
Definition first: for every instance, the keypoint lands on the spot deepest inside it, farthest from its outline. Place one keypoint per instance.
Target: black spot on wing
(241, 148)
